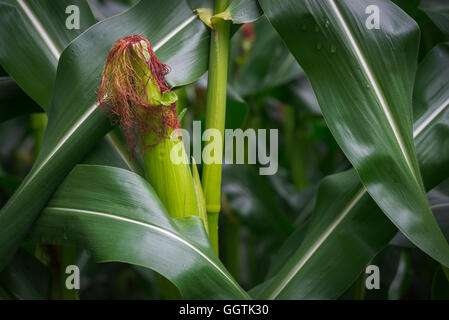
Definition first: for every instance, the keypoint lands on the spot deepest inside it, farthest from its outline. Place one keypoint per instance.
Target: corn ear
(134, 88)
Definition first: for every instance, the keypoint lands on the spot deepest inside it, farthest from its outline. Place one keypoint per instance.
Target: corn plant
(117, 179)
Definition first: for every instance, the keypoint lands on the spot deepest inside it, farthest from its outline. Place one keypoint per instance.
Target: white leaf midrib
(381, 99)
(341, 216)
(55, 51)
(122, 155)
(317, 244)
(85, 115)
(156, 228)
(429, 118)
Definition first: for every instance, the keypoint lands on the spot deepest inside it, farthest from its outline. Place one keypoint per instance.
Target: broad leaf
(253, 198)
(244, 11)
(430, 101)
(75, 122)
(363, 81)
(347, 228)
(33, 34)
(116, 215)
(26, 278)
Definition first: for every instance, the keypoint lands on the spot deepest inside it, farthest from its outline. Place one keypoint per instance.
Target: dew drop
(327, 23)
(318, 46)
(368, 86)
(333, 48)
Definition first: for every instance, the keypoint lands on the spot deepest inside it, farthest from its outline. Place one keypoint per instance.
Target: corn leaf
(347, 228)
(75, 123)
(32, 36)
(116, 215)
(26, 278)
(438, 11)
(363, 80)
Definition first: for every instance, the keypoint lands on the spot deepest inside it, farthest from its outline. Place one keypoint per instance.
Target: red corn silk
(123, 96)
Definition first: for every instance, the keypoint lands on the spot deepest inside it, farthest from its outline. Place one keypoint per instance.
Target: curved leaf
(32, 36)
(244, 11)
(252, 197)
(347, 228)
(430, 101)
(75, 123)
(401, 277)
(363, 81)
(26, 277)
(116, 215)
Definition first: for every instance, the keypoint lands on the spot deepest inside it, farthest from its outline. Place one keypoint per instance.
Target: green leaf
(347, 228)
(5, 294)
(440, 285)
(26, 277)
(32, 35)
(75, 122)
(401, 278)
(440, 209)
(244, 11)
(431, 112)
(168, 98)
(116, 215)
(268, 65)
(438, 11)
(112, 151)
(253, 198)
(340, 240)
(13, 101)
(363, 81)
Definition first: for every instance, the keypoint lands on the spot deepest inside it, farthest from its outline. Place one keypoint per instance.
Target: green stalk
(215, 115)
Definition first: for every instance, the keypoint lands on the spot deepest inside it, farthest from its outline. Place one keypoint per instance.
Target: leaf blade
(126, 222)
(75, 123)
(371, 121)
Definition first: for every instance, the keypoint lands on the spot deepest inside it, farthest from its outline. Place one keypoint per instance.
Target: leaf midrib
(340, 217)
(375, 86)
(154, 228)
(86, 115)
(427, 120)
(317, 244)
(51, 45)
